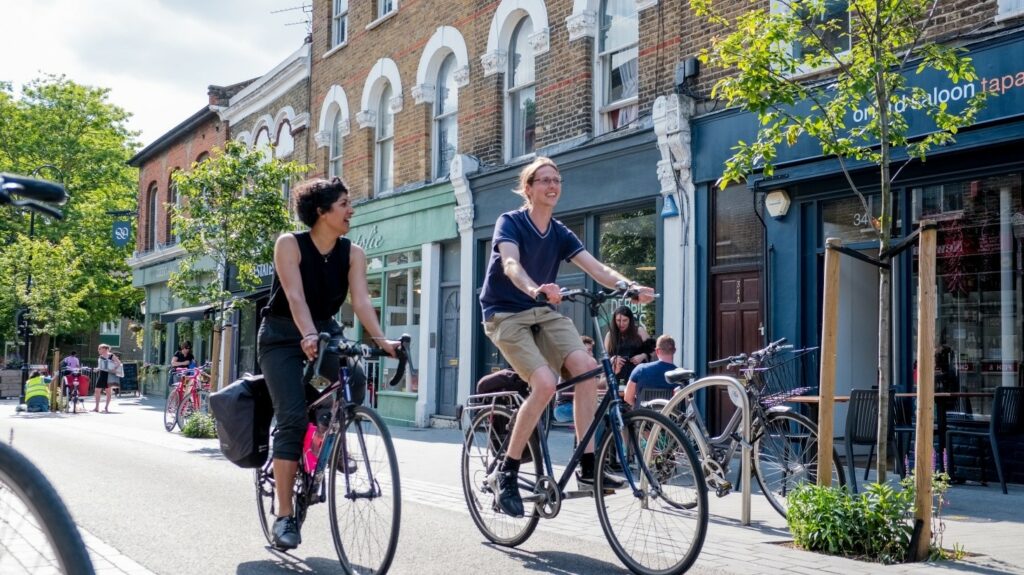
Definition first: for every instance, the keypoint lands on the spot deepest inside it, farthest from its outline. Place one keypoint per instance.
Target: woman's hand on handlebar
(386, 345)
(310, 345)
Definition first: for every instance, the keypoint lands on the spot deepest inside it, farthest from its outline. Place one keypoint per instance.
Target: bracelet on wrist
(310, 335)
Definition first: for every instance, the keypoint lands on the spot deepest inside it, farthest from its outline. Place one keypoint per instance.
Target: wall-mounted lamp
(776, 202)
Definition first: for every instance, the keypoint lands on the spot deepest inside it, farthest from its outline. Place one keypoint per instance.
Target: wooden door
(737, 328)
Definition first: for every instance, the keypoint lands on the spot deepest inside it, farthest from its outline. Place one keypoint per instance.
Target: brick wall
(298, 98)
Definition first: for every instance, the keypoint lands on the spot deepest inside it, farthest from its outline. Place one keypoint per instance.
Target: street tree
(841, 73)
(57, 129)
(232, 211)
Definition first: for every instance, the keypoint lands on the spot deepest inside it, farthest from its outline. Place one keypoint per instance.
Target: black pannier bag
(243, 411)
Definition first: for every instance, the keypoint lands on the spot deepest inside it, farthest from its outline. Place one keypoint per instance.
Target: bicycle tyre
(363, 485)
(782, 465)
(654, 535)
(32, 515)
(186, 410)
(486, 434)
(171, 409)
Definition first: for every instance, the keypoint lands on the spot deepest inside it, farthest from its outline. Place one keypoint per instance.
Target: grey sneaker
(286, 533)
(505, 485)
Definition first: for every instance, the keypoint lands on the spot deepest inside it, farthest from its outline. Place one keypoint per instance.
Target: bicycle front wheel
(37, 534)
(660, 529)
(186, 410)
(171, 409)
(786, 455)
(482, 451)
(364, 494)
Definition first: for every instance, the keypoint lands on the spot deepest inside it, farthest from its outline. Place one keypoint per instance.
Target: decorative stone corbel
(322, 138)
(423, 94)
(582, 25)
(461, 76)
(494, 62)
(366, 119)
(540, 42)
(671, 115)
(461, 166)
(395, 104)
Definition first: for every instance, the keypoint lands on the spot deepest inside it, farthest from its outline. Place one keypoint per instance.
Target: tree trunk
(884, 369)
(40, 348)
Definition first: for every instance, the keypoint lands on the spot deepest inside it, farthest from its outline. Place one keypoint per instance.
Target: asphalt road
(174, 506)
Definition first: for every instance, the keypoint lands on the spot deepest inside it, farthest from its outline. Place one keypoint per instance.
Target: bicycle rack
(726, 381)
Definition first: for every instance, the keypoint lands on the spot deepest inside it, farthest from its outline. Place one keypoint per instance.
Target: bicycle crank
(549, 498)
(714, 476)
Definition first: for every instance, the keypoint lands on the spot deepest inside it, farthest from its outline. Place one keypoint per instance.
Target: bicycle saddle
(680, 375)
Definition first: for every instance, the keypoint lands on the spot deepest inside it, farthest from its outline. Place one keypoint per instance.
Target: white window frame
(1009, 9)
(391, 5)
(602, 70)
(336, 148)
(440, 116)
(778, 7)
(380, 142)
(339, 23)
(512, 91)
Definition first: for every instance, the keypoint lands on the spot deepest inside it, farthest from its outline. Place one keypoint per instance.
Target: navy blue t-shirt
(651, 375)
(540, 254)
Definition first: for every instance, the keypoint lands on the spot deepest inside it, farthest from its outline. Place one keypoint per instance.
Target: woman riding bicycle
(537, 341)
(313, 273)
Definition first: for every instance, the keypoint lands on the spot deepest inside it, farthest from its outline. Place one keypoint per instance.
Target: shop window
(738, 233)
(847, 219)
(446, 122)
(520, 92)
(617, 57)
(627, 242)
(339, 23)
(979, 260)
(395, 287)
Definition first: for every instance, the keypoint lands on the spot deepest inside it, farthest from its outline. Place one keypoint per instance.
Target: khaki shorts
(525, 351)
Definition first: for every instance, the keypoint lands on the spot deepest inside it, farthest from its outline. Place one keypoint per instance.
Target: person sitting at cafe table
(651, 375)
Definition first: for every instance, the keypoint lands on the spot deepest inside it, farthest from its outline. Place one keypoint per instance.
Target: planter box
(397, 407)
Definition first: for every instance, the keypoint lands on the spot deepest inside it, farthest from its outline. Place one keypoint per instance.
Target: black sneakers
(610, 481)
(286, 533)
(505, 485)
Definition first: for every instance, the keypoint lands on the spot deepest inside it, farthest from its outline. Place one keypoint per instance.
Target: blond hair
(527, 174)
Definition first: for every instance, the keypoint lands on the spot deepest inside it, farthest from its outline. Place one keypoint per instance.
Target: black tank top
(324, 280)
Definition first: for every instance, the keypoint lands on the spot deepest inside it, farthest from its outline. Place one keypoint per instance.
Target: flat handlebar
(36, 193)
(622, 291)
(337, 345)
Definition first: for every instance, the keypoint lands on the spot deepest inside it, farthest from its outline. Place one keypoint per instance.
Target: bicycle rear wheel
(482, 451)
(654, 532)
(364, 494)
(37, 533)
(171, 409)
(786, 455)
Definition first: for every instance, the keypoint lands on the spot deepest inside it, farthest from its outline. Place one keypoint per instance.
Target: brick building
(157, 252)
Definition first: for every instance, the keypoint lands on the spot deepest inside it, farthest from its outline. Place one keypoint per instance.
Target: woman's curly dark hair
(315, 196)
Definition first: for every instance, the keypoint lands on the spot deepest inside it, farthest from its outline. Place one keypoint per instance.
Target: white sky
(156, 56)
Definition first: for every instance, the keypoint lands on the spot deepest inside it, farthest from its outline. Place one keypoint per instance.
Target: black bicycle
(353, 449)
(655, 526)
(37, 533)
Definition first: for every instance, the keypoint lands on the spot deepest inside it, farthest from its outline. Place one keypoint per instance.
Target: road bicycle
(37, 533)
(656, 525)
(784, 443)
(350, 464)
(195, 395)
(181, 379)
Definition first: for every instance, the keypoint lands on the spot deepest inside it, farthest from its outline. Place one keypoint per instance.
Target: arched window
(446, 122)
(385, 142)
(172, 200)
(151, 213)
(520, 91)
(285, 141)
(336, 150)
(263, 142)
(617, 56)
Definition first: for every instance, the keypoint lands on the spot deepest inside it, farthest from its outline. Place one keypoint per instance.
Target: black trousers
(282, 362)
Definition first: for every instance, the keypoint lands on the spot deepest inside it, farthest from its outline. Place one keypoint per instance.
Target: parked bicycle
(350, 464)
(74, 382)
(36, 530)
(195, 395)
(181, 385)
(655, 525)
(784, 443)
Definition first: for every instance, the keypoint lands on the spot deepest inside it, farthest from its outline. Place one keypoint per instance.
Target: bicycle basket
(786, 375)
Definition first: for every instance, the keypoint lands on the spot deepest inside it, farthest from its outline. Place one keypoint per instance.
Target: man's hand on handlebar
(644, 294)
(552, 293)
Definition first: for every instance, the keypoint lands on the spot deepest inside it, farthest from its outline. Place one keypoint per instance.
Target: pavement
(988, 525)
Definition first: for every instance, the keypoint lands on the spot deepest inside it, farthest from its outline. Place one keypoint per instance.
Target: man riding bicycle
(529, 244)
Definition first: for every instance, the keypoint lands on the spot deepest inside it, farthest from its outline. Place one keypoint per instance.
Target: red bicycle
(181, 382)
(196, 391)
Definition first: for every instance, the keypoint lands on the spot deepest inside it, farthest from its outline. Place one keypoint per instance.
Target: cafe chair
(651, 393)
(903, 425)
(862, 429)
(1006, 420)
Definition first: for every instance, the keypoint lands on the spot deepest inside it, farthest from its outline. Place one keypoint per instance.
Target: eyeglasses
(549, 181)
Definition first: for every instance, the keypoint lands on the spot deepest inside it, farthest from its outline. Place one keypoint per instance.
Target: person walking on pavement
(107, 364)
(529, 245)
(314, 272)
